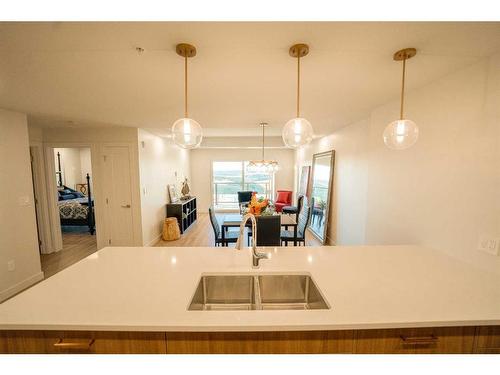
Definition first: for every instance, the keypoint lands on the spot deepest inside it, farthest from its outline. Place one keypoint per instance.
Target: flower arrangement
(258, 206)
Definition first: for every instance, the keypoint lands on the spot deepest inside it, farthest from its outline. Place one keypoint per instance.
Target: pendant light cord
(185, 86)
(262, 141)
(298, 85)
(402, 90)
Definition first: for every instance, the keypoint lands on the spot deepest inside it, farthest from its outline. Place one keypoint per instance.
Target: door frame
(40, 197)
(53, 210)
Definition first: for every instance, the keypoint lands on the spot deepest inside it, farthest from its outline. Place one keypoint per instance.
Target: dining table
(234, 221)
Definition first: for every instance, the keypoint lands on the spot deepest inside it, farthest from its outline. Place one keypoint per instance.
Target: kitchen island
(382, 299)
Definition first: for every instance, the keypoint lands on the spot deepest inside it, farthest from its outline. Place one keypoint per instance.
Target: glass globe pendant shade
(187, 133)
(401, 134)
(297, 132)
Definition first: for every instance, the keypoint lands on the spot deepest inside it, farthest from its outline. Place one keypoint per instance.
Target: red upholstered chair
(283, 198)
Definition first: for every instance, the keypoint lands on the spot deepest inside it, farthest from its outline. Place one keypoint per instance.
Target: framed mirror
(321, 191)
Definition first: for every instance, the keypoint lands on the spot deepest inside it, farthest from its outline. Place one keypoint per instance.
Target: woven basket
(171, 229)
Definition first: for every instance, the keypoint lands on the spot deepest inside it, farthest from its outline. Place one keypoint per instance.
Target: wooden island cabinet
(488, 340)
(443, 340)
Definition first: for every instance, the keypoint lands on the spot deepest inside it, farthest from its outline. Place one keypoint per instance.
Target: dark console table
(184, 211)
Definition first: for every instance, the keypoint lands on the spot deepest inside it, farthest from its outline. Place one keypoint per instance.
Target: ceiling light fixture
(298, 131)
(186, 132)
(263, 165)
(403, 133)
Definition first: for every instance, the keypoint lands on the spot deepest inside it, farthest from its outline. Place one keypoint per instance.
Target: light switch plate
(11, 265)
(489, 245)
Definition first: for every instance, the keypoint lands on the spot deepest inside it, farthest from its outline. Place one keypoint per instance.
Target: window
(229, 177)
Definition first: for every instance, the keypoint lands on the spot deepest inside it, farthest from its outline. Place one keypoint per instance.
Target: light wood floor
(202, 234)
(76, 246)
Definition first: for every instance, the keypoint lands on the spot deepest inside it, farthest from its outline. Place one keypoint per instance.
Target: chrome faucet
(256, 256)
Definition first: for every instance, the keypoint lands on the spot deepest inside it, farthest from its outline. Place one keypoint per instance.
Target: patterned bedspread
(72, 209)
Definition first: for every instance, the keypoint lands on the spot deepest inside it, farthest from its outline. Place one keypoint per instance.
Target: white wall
(347, 216)
(441, 193)
(161, 163)
(70, 165)
(75, 164)
(201, 169)
(86, 165)
(445, 191)
(18, 235)
(77, 135)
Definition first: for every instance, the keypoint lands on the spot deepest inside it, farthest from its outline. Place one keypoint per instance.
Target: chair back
(269, 230)
(284, 196)
(304, 217)
(300, 202)
(244, 196)
(215, 223)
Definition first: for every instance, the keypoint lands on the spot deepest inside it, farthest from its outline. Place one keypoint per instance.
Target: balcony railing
(225, 194)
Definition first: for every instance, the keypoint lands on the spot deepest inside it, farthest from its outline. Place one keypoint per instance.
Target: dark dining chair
(244, 198)
(317, 216)
(229, 237)
(294, 209)
(303, 222)
(268, 230)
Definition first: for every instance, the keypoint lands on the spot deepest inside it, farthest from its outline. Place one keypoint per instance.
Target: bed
(75, 208)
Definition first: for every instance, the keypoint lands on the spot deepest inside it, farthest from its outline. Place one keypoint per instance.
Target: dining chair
(283, 198)
(303, 222)
(244, 198)
(268, 230)
(229, 236)
(317, 216)
(294, 209)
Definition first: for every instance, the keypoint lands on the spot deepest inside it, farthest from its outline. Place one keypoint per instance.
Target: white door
(118, 196)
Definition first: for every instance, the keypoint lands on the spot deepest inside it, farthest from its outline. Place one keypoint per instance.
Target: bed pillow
(78, 194)
(65, 197)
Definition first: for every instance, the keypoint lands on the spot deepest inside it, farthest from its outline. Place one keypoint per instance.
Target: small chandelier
(403, 133)
(297, 131)
(263, 165)
(186, 132)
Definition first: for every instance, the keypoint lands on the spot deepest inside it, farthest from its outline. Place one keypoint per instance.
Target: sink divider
(204, 288)
(256, 287)
(306, 295)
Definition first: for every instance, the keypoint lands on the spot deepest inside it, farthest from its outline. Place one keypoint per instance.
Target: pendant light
(263, 165)
(403, 133)
(186, 132)
(298, 131)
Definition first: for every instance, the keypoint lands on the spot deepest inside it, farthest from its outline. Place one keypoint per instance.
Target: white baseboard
(9, 292)
(154, 241)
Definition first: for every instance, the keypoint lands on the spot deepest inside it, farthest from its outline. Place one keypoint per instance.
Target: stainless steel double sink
(257, 292)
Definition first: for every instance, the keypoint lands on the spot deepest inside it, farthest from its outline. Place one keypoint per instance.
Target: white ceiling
(91, 74)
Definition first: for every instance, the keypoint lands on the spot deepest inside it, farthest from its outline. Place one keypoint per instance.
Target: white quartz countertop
(149, 289)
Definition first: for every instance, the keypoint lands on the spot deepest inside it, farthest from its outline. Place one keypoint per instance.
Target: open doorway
(75, 207)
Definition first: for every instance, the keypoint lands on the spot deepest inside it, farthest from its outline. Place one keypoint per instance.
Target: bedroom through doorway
(75, 206)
